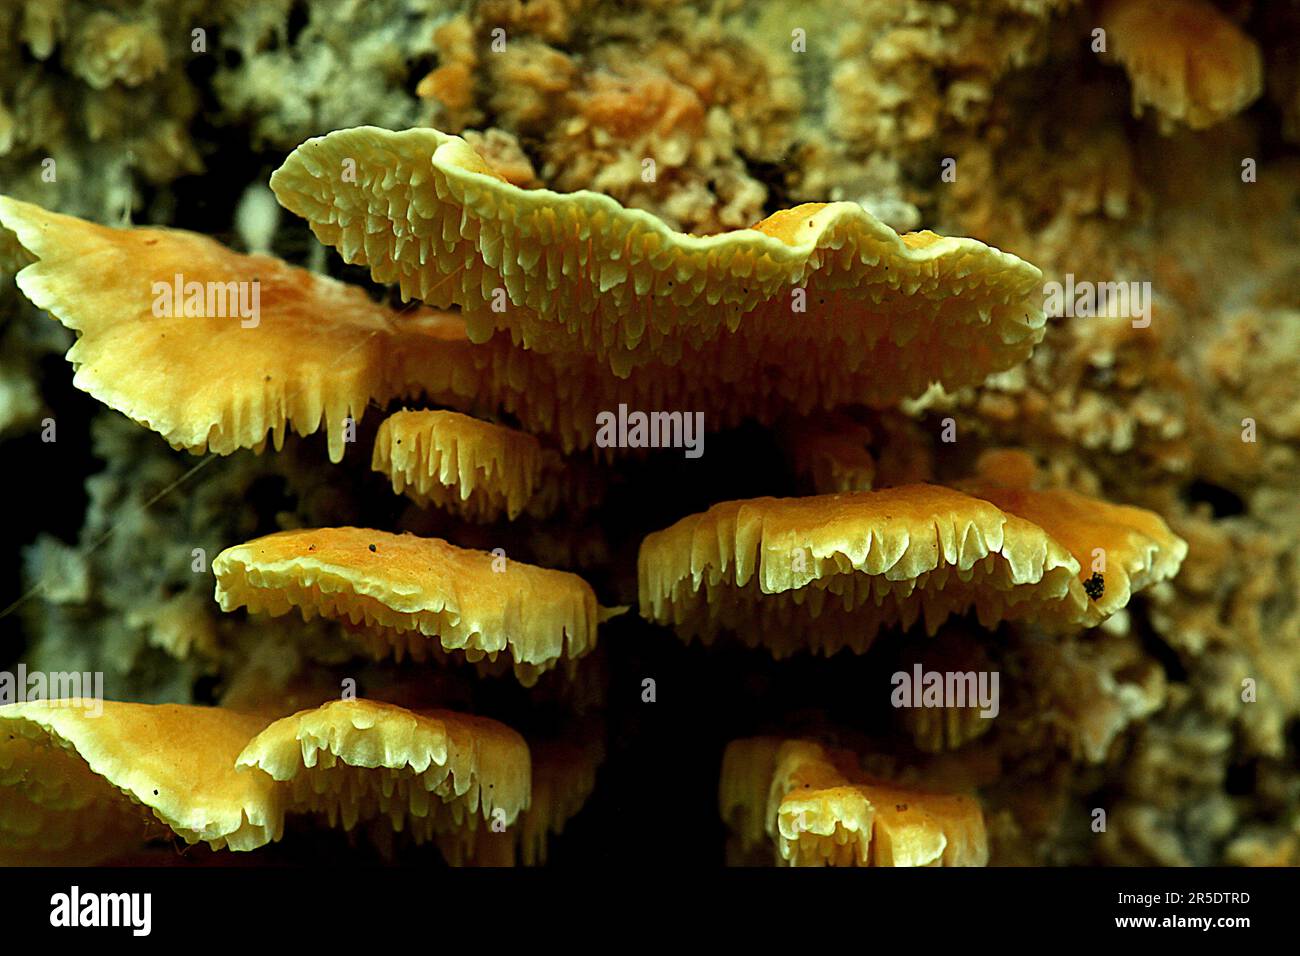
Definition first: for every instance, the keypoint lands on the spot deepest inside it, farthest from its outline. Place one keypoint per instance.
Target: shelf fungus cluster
(454, 539)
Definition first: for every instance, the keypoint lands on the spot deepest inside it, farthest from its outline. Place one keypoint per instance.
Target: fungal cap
(768, 569)
(822, 812)
(475, 468)
(578, 272)
(412, 592)
(1185, 58)
(211, 349)
(363, 759)
(172, 761)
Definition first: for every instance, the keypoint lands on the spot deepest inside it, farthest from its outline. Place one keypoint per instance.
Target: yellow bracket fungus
(822, 296)
(820, 809)
(248, 346)
(427, 772)
(827, 572)
(83, 785)
(1185, 58)
(405, 594)
(474, 468)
